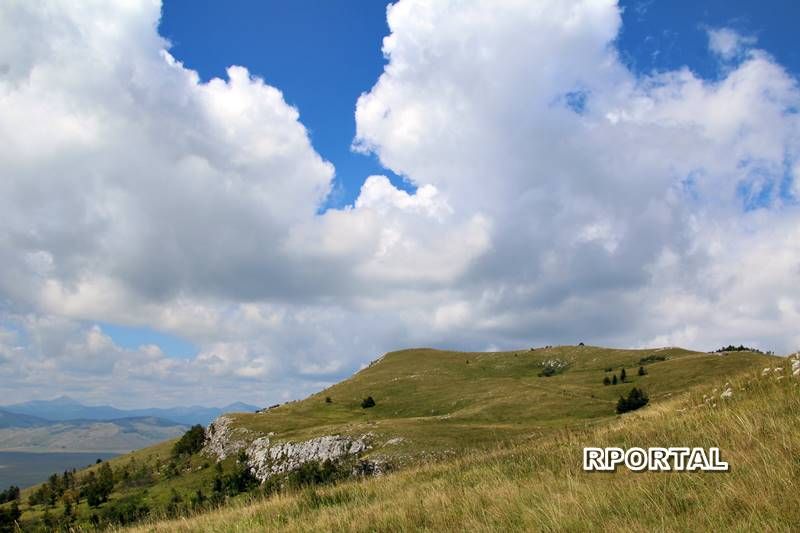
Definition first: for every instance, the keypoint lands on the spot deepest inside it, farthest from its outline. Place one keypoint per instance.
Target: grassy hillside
(492, 416)
(540, 486)
(448, 401)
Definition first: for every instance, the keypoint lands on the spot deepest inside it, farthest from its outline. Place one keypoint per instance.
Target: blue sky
(666, 35)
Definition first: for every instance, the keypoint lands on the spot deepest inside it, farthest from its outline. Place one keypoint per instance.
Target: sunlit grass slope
(447, 401)
(540, 486)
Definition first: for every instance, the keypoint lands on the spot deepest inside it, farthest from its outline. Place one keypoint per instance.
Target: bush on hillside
(652, 359)
(606, 381)
(126, 510)
(614, 379)
(642, 371)
(367, 402)
(636, 399)
(623, 376)
(191, 441)
(317, 473)
(241, 479)
(551, 367)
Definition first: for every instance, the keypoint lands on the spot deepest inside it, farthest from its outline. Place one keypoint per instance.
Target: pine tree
(105, 477)
(614, 380)
(623, 376)
(636, 398)
(642, 371)
(69, 515)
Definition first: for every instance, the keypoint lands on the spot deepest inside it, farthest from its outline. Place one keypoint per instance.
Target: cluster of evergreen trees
(623, 376)
(741, 348)
(636, 397)
(69, 490)
(10, 494)
(94, 487)
(131, 479)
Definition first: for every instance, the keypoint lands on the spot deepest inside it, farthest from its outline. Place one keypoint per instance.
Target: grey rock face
(267, 459)
(223, 441)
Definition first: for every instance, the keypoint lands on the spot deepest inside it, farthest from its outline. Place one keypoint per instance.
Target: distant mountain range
(64, 424)
(65, 408)
(30, 433)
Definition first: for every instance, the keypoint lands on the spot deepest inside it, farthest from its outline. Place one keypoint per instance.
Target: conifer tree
(636, 398)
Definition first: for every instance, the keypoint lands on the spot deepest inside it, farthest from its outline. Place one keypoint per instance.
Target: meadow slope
(477, 441)
(540, 486)
(440, 401)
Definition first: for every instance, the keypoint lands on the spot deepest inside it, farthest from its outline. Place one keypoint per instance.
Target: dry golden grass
(540, 486)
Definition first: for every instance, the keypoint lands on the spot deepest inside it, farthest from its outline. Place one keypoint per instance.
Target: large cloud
(609, 193)
(560, 197)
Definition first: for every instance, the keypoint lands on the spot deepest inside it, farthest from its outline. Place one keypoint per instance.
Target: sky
(249, 201)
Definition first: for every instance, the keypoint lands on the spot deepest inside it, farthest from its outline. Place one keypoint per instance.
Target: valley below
(24, 469)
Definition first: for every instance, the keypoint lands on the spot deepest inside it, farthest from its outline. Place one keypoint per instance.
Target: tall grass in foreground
(540, 485)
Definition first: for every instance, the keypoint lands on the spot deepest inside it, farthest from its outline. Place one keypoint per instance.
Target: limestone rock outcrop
(267, 458)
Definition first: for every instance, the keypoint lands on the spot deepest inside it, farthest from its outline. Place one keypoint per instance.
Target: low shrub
(652, 359)
(367, 402)
(551, 367)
